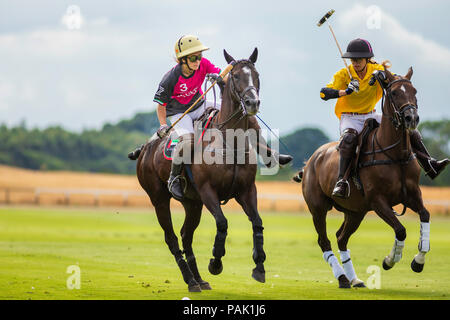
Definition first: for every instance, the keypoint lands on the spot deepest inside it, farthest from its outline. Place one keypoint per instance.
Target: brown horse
(210, 183)
(389, 174)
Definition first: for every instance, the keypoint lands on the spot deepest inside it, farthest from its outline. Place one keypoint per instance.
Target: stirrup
(170, 186)
(342, 181)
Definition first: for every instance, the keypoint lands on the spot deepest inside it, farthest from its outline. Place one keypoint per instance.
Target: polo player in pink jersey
(177, 91)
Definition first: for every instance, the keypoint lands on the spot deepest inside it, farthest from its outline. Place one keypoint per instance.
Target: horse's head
(244, 82)
(402, 97)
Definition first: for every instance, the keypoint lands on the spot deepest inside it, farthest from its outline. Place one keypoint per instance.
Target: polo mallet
(320, 23)
(222, 75)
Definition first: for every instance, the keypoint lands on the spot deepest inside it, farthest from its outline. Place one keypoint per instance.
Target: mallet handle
(340, 51)
(222, 75)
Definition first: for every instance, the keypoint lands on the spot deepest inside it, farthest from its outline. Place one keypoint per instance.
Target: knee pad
(349, 139)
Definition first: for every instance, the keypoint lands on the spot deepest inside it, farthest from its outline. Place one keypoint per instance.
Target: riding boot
(347, 148)
(282, 159)
(174, 182)
(135, 154)
(265, 151)
(431, 166)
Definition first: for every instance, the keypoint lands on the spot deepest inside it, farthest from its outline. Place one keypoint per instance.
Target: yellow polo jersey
(363, 101)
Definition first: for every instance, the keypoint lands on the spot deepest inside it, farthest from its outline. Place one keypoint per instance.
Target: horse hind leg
(352, 220)
(319, 219)
(164, 218)
(193, 214)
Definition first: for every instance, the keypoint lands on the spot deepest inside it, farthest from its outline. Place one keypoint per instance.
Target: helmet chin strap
(184, 59)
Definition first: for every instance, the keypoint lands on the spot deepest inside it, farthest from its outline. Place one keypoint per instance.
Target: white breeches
(356, 121)
(186, 124)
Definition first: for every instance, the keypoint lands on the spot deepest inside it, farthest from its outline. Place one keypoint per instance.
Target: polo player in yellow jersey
(356, 101)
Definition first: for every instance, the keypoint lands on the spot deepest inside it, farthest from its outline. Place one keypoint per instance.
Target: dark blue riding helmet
(358, 48)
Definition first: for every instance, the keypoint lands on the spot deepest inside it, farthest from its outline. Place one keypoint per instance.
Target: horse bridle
(398, 119)
(239, 96)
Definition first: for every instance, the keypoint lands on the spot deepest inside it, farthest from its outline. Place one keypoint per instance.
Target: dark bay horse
(212, 183)
(389, 173)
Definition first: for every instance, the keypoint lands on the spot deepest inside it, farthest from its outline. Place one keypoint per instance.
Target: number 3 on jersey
(183, 87)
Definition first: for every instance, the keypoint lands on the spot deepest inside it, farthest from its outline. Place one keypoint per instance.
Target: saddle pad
(168, 148)
(206, 123)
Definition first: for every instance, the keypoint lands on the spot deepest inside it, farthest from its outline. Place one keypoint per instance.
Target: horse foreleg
(212, 203)
(191, 222)
(416, 204)
(248, 202)
(385, 212)
(165, 220)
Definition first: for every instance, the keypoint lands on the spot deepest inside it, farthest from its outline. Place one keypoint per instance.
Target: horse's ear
(228, 58)
(409, 74)
(254, 56)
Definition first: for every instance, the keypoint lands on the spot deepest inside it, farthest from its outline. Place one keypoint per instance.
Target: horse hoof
(194, 288)
(385, 265)
(416, 267)
(259, 276)
(215, 266)
(205, 285)
(358, 284)
(343, 282)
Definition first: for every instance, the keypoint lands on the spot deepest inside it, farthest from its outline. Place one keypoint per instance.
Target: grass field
(122, 255)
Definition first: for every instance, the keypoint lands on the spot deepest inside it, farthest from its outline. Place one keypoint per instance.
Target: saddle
(370, 125)
(205, 120)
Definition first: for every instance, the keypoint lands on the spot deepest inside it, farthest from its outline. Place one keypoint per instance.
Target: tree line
(105, 150)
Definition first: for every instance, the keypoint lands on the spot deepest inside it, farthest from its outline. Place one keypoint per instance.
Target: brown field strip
(23, 186)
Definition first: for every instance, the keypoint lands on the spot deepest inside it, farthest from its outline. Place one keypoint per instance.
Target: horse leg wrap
(331, 259)
(219, 245)
(192, 263)
(424, 243)
(259, 256)
(348, 265)
(396, 252)
(185, 271)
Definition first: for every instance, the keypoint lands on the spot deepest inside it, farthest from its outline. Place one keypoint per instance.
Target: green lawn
(122, 255)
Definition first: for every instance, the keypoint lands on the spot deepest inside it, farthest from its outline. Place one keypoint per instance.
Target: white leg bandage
(331, 259)
(396, 252)
(424, 243)
(348, 265)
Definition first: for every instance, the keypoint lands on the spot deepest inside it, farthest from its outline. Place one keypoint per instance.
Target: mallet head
(325, 17)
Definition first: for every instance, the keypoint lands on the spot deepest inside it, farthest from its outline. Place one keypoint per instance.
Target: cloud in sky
(109, 67)
(406, 42)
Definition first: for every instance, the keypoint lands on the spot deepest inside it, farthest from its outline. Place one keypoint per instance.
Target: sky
(80, 64)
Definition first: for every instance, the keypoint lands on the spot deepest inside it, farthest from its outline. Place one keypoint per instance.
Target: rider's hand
(353, 86)
(162, 131)
(380, 76)
(215, 77)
